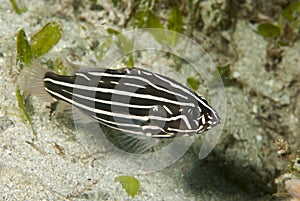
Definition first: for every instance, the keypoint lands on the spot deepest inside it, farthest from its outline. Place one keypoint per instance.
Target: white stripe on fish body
(95, 110)
(108, 102)
(113, 91)
(101, 74)
(83, 75)
(135, 101)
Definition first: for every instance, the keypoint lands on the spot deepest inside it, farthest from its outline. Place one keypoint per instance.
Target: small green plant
(193, 83)
(269, 30)
(146, 18)
(115, 38)
(21, 103)
(19, 8)
(143, 16)
(286, 29)
(292, 12)
(40, 44)
(224, 71)
(130, 184)
(44, 40)
(24, 53)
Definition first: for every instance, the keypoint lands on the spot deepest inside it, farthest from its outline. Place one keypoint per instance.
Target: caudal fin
(31, 80)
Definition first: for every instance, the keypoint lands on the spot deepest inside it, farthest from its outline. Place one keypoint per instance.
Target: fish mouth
(207, 127)
(218, 121)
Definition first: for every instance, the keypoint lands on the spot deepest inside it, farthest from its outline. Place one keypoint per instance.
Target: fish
(131, 100)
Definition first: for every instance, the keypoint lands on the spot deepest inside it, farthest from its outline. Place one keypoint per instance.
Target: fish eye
(194, 112)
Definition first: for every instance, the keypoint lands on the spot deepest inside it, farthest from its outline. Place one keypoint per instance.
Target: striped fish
(133, 101)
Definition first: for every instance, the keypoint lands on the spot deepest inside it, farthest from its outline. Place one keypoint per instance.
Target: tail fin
(31, 81)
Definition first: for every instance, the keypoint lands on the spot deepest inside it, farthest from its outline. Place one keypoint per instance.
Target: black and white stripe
(134, 101)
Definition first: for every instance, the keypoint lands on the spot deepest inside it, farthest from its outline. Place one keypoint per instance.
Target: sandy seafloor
(243, 166)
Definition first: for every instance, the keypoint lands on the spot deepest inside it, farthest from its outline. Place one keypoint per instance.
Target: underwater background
(255, 47)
